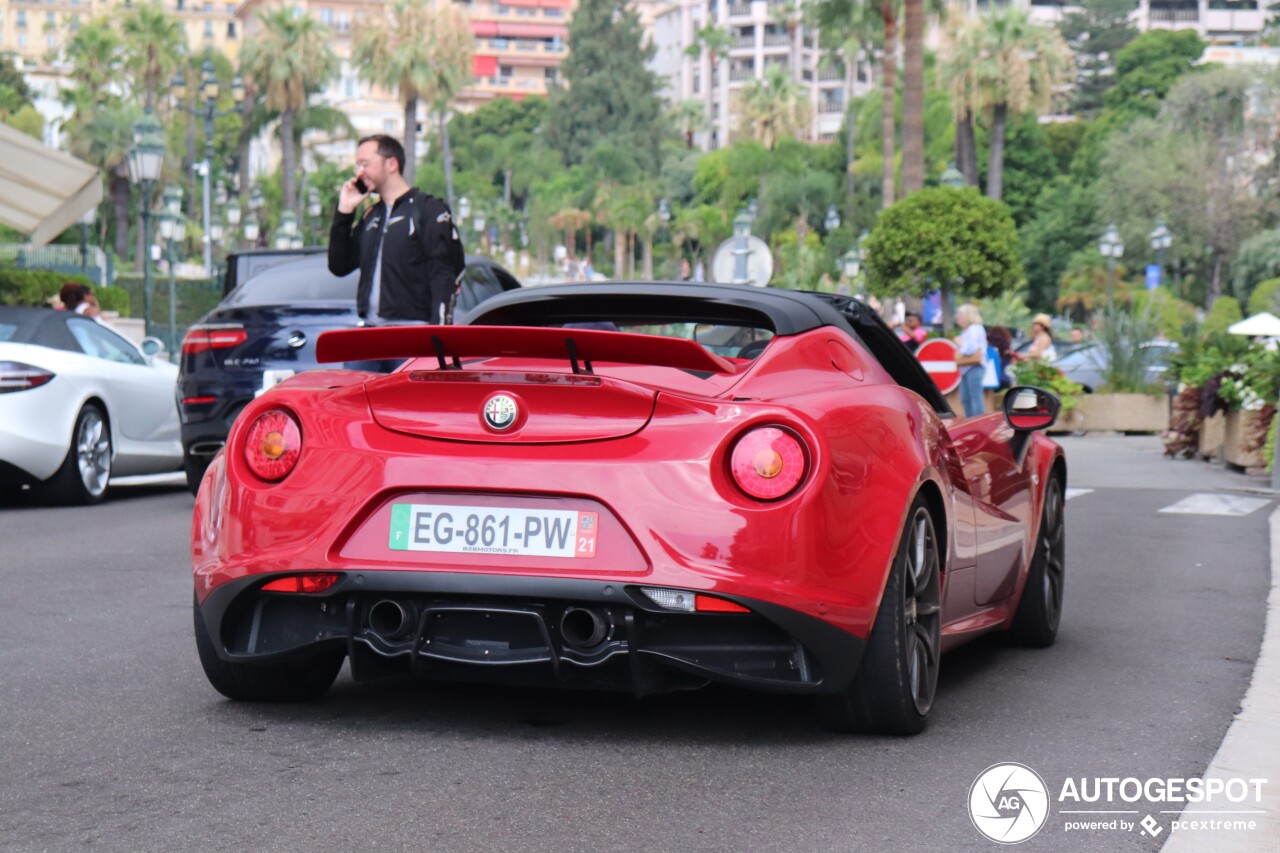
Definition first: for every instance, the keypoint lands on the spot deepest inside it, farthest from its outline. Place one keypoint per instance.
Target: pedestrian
(686, 271)
(912, 332)
(588, 271)
(1041, 340)
(972, 357)
(699, 274)
(79, 298)
(406, 246)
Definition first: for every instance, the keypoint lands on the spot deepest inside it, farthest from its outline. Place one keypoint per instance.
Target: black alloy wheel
(1035, 623)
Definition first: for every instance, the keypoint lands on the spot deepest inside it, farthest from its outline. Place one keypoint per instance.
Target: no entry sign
(939, 359)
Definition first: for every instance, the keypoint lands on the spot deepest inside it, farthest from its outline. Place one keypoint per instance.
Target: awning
(42, 191)
(484, 29)
(484, 66)
(1265, 324)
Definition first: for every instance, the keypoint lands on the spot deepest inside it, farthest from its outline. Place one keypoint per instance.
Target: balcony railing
(777, 40)
(745, 41)
(1175, 16)
(739, 74)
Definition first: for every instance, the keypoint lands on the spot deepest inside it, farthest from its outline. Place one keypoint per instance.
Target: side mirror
(151, 346)
(1028, 409)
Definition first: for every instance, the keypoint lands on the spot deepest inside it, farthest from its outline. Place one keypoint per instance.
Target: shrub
(1265, 297)
(1042, 375)
(38, 287)
(1224, 313)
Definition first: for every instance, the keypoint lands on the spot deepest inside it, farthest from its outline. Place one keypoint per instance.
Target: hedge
(38, 287)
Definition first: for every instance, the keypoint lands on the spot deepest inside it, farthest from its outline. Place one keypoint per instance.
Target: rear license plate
(493, 530)
(272, 378)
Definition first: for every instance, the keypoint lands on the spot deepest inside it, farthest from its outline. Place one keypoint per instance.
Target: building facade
(761, 34)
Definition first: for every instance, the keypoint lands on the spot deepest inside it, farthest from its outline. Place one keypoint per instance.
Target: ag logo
(1008, 803)
(500, 412)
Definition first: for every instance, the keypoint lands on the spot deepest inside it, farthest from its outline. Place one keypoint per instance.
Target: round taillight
(273, 445)
(768, 463)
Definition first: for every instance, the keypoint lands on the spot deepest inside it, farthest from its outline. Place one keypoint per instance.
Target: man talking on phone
(406, 247)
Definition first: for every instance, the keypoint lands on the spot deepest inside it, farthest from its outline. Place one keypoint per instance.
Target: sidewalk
(1251, 748)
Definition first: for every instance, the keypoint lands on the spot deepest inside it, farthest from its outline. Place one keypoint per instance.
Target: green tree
(1265, 297)
(1028, 168)
(962, 66)
(944, 238)
(1027, 64)
(1148, 67)
(1257, 260)
(1095, 31)
(288, 59)
(406, 50)
(610, 96)
(154, 42)
(1224, 313)
(1061, 224)
(772, 107)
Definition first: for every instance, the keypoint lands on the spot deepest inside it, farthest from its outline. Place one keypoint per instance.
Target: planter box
(1238, 425)
(1124, 412)
(1068, 422)
(1212, 432)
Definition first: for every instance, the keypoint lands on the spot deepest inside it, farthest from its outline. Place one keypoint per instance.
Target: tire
(1035, 622)
(896, 681)
(299, 680)
(85, 472)
(195, 466)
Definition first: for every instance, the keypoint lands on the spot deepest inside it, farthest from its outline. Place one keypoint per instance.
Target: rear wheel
(84, 474)
(294, 681)
(1035, 623)
(894, 688)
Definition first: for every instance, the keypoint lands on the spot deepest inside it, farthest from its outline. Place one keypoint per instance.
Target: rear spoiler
(580, 347)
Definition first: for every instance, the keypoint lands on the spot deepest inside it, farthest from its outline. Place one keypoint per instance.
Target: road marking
(1214, 504)
(1075, 493)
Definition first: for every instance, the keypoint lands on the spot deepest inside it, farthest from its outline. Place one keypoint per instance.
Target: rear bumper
(511, 630)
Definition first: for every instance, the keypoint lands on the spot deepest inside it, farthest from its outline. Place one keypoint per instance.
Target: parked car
(1087, 364)
(265, 330)
(750, 486)
(80, 404)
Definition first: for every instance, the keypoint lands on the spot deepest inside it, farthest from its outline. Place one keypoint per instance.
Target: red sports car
(628, 486)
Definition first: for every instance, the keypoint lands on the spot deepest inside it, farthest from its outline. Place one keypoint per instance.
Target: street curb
(1251, 748)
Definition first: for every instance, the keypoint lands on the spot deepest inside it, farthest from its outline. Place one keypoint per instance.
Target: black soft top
(39, 326)
(784, 312)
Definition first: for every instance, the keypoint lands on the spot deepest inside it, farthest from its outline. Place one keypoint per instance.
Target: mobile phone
(361, 187)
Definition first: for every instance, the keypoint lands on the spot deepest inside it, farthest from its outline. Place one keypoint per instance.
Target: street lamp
(210, 112)
(741, 246)
(252, 229)
(664, 212)
(464, 208)
(952, 177)
(173, 230)
(832, 222)
(1161, 239)
(1112, 247)
(173, 198)
(233, 212)
(146, 159)
(85, 221)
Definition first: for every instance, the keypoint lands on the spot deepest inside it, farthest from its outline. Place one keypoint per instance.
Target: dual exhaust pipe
(581, 628)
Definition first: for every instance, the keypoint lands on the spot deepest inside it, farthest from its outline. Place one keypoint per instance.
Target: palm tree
(716, 42)
(287, 60)
(913, 96)
(154, 42)
(844, 28)
(1028, 63)
(690, 117)
(102, 135)
(407, 50)
(773, 107)
(962, 68)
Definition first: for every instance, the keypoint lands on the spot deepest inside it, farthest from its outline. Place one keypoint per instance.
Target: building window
(207, 8)
(208, 29)
(231, 9)
(51, 40)
(550, 74)
(231, 29)
(389, 126)
(181, 3)
(505, 70)
(326, 17)
(22, 18)
(50, 20)
(22, 40)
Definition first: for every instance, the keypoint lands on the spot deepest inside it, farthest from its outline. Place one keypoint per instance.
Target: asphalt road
(112, 738)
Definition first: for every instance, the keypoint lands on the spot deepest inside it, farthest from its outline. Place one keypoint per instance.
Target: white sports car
(80, 404)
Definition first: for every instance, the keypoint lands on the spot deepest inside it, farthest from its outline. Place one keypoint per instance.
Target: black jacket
(422, 257)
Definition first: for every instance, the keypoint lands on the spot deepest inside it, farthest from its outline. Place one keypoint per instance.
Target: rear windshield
(7, 331)
(727, 341)
(291, 283)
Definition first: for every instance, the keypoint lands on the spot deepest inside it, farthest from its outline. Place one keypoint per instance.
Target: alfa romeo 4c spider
(639, 487)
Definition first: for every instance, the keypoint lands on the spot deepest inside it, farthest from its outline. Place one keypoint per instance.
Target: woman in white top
(972, 358)
(1041, 340)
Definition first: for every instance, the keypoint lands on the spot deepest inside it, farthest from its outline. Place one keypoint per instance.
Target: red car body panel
(643, 443)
